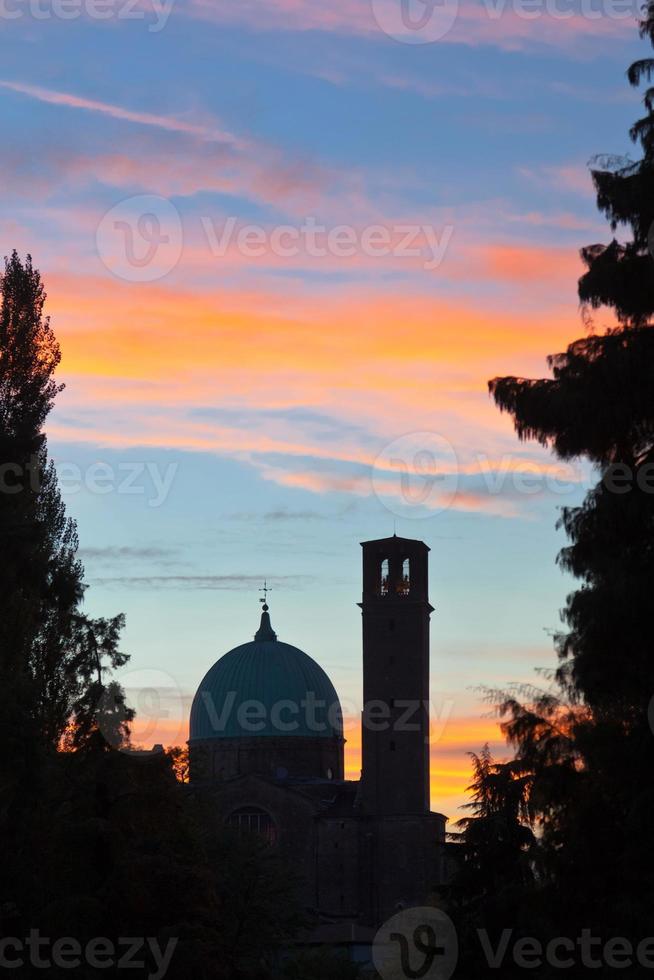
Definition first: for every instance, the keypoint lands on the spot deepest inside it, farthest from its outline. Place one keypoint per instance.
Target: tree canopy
(583, 745)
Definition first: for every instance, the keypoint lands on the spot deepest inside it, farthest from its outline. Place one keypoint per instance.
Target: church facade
(266, 741)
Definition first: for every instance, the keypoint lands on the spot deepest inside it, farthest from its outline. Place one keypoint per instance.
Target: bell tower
(395, 723)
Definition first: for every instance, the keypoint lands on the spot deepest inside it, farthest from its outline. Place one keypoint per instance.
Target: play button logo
(416, 21)
(416, 944)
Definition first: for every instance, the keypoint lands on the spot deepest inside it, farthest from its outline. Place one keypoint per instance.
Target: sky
(285, 245)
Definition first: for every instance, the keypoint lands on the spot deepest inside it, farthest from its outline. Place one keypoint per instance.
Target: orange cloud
(143, 359)
(113, 329)
(522, 264)
(362, 486)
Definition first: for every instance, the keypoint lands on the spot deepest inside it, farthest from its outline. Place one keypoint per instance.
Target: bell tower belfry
(395, 723)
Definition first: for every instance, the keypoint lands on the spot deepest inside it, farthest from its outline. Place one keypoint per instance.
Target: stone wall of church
(403, 864)
(293, 816)
(338, 866)
(352, 868)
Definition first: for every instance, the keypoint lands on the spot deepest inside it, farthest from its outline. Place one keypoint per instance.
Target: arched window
(253, 820)
(383, 577)
(405, 584)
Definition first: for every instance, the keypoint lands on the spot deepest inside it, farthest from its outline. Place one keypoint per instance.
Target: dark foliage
(52, 657)
(96, 840)
(584, 747)
(116, 847)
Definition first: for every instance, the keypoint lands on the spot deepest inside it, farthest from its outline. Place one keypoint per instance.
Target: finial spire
(265, 591)
(265, 631)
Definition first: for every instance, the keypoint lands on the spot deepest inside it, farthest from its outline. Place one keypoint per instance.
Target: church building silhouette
(266, 741)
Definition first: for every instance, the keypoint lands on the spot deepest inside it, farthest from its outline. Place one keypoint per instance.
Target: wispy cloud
(284, 514)
(169, 123)
(126, 553)
(325, 482)
(226, 583)
(285, 405)
(170, 157)
(572, 178)
(494, 24)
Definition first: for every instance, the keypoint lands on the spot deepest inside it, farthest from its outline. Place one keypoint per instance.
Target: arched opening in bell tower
(384, 577)
(404, 585)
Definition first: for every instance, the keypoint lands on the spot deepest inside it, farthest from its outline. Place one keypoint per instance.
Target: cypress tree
(52, 657)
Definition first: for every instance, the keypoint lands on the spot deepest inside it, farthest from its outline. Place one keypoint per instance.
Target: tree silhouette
(496, 838)
(93, 841)
(52, 657)
(588, 744)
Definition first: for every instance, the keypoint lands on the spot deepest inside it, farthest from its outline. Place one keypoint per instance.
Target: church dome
(265, 688)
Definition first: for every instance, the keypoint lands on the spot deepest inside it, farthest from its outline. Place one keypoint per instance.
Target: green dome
(265, 688)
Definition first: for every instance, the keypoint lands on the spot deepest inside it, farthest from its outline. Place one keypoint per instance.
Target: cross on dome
(265, 631)
(266, 589)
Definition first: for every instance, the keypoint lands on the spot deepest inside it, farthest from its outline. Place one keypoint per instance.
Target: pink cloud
(491, 22)
(572, 177)
(208, 158)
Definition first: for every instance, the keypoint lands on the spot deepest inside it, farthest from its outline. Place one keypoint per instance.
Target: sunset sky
(248, 400)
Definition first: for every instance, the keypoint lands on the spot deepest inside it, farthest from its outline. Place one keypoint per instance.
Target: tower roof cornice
(395, 542)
